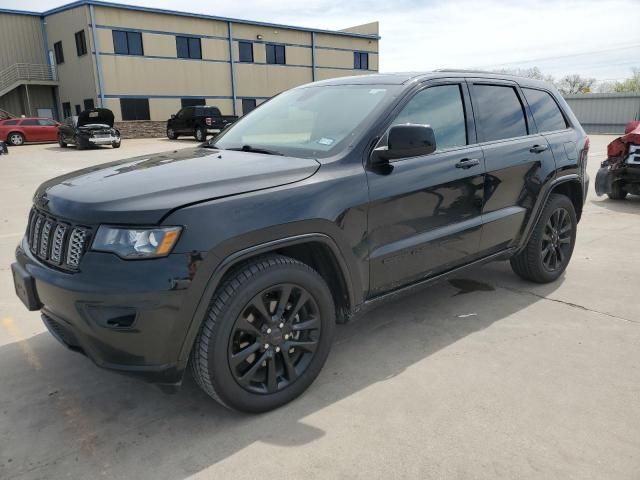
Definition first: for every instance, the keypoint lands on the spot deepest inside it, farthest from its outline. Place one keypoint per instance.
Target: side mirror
(173, 116)
(408, 140)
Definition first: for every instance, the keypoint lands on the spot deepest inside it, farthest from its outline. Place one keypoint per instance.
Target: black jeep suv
(239, 256)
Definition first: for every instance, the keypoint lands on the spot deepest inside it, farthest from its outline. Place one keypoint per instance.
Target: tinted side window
(499, 112)
(442, 108)
(545, 110)
(30, 122)
(10, 122)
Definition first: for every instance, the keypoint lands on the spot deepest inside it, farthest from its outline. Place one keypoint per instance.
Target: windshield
(311, 122)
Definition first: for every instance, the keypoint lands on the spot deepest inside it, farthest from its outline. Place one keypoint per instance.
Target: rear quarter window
(499, 112)
(545, 110)
(10, 122)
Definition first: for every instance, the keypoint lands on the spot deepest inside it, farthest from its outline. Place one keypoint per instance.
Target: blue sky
(596, 38)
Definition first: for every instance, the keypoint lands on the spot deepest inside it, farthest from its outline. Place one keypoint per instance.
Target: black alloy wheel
(274, 339)
(556, 240)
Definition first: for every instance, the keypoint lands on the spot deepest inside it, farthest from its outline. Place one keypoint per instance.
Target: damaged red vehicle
(619, 174)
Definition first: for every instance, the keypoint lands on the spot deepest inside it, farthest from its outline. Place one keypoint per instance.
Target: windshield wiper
(249, 148)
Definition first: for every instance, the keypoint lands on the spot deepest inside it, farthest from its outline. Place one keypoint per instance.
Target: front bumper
(128, 316)
(104, 140)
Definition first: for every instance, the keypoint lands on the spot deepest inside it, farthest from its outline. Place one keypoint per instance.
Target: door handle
(538, 148)
(467, 163)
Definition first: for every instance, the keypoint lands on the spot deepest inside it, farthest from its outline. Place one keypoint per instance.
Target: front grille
(56, 242)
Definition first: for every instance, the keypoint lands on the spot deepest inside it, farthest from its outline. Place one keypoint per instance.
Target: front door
(425, 212)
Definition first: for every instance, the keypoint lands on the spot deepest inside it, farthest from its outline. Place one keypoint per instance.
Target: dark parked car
(3, 148)
(239, 256)
(91, 128)
(198, 121)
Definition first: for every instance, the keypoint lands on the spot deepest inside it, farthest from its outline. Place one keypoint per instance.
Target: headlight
(136, 242)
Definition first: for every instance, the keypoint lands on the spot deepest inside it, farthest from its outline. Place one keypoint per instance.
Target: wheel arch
(568, 185)
(317, 250)
(24, 137)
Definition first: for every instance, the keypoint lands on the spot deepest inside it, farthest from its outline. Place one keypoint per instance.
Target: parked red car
(17, 131)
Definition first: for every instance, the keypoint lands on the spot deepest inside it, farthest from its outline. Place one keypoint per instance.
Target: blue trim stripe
(235, 39)
(99, 3)
(159, 57)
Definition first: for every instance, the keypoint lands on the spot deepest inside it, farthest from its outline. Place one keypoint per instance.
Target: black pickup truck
(239, 256)
(198, 121)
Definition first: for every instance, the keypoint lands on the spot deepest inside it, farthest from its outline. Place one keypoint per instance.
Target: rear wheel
(267, 334)
(16, 139)
(618, 192)
(200, 134)
(550, 246)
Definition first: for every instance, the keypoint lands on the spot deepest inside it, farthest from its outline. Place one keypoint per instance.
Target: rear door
(551, 122)
(32, 130)
(425, 212)
(518, 160)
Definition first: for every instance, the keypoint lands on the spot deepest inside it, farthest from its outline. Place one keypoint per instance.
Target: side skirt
(412, 288)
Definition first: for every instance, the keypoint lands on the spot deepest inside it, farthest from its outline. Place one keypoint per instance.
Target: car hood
(142, 190)
(102, 116)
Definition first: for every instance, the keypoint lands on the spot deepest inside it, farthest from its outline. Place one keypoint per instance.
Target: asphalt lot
(482, 376)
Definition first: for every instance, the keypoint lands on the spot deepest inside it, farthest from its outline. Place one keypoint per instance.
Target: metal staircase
(26, 73)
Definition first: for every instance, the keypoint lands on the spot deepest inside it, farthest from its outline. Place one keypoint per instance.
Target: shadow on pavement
(62, 416)
(631, 204)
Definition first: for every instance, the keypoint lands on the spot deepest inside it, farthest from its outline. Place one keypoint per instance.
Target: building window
(245, 49)
(88, 104)
(275, 54)
(78, 109)
(57, 48)
(192, 102)
(66, 109)
(81, 43)
(127, 43)
(360, 61)
(248, 104)
(135, 108)
(188, 47)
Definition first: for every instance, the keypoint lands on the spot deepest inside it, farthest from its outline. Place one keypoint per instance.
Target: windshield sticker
(374, 91)
(326, 141)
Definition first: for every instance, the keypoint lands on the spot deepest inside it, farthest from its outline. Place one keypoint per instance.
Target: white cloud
(591, 37)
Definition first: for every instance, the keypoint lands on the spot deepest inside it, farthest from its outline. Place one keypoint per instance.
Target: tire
(116, 144)
(226, 332)
(200, 134)
(536, 261)
(81, 143)
(617, 192)
(171, 134)
(61, 142)
(16, 139)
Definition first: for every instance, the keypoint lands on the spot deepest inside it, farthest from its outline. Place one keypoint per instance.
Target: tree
(575, 83)
(631, 84)
(533, 72)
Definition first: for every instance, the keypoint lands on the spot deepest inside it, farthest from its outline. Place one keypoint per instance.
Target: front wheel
(200, 134)
(266, 336)
(171, 134)
(61, 142)
(16, 139)
(549, 249)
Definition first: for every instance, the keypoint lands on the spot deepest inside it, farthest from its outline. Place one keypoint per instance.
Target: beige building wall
(21, 40)
(164, 79)
(77, 75)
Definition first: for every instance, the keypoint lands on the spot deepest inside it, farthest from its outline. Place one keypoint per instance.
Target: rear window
(30, 121)
(545, 110)
(207, 112)
(499, 112)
